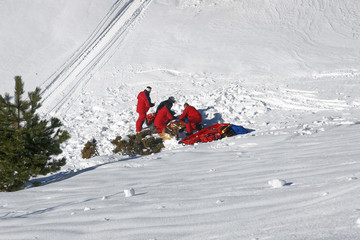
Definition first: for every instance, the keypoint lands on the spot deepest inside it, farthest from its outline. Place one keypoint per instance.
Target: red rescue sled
(210, 134)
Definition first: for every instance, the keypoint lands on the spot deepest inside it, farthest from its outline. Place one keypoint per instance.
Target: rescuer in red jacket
(163, 117)
(193, 116)
(143, 106)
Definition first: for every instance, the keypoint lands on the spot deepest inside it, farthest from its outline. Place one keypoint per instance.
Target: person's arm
(183, 115)
(148, 100)
(168, 114)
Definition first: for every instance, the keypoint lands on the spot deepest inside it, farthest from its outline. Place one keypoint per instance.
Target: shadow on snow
(60, 176)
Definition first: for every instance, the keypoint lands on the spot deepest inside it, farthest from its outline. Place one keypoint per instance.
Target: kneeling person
(193, 116)
(163, 117)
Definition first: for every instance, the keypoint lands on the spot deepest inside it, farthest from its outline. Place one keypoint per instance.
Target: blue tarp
(239, 129)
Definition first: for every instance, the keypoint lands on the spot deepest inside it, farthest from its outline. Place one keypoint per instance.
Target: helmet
(148, 89)
(172, 99)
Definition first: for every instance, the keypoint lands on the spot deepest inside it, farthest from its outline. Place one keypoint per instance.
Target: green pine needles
(28, 144)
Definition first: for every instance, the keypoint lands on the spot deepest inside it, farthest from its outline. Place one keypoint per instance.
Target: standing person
(163, 117)
(143, 105)
(193, 116)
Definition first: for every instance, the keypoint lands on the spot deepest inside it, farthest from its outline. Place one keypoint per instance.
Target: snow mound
(358, 222)
(129, 192)
(277, 183)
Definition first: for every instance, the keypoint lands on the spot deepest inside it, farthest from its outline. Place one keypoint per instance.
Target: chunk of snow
(129, 192)
(277, 183)
(219, 201)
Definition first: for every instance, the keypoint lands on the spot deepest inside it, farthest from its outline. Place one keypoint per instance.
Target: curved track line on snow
(60, 88)
(52, 79)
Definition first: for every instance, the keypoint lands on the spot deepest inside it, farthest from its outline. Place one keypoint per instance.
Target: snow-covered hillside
(287, 69)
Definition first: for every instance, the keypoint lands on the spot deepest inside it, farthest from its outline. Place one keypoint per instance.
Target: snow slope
(287, 69)
(39, 36)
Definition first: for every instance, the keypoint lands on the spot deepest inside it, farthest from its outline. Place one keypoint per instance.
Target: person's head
(148, 89)
(186, 105)
(172, 99)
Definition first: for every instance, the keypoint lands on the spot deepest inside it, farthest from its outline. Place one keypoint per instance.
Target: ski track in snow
(61, 87)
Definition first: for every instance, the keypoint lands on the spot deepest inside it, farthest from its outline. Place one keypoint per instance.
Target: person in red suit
(163, 117)
(143, 105)
(193, 116)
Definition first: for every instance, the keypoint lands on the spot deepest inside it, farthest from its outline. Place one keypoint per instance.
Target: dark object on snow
(214, 132)
(143, 143)
(90, 149)
(200, 126)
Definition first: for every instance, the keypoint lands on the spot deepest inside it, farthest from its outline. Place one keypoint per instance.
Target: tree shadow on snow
(60, 176)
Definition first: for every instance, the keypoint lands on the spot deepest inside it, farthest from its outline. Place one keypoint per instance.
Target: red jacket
(163, 117)
(191, 113)
(144, 102)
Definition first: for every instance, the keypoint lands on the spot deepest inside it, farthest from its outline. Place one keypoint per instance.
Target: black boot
(199, 127)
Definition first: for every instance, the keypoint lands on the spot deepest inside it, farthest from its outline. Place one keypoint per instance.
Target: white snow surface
(289, 70)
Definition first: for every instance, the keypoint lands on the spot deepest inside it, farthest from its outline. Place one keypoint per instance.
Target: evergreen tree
(28, 144)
